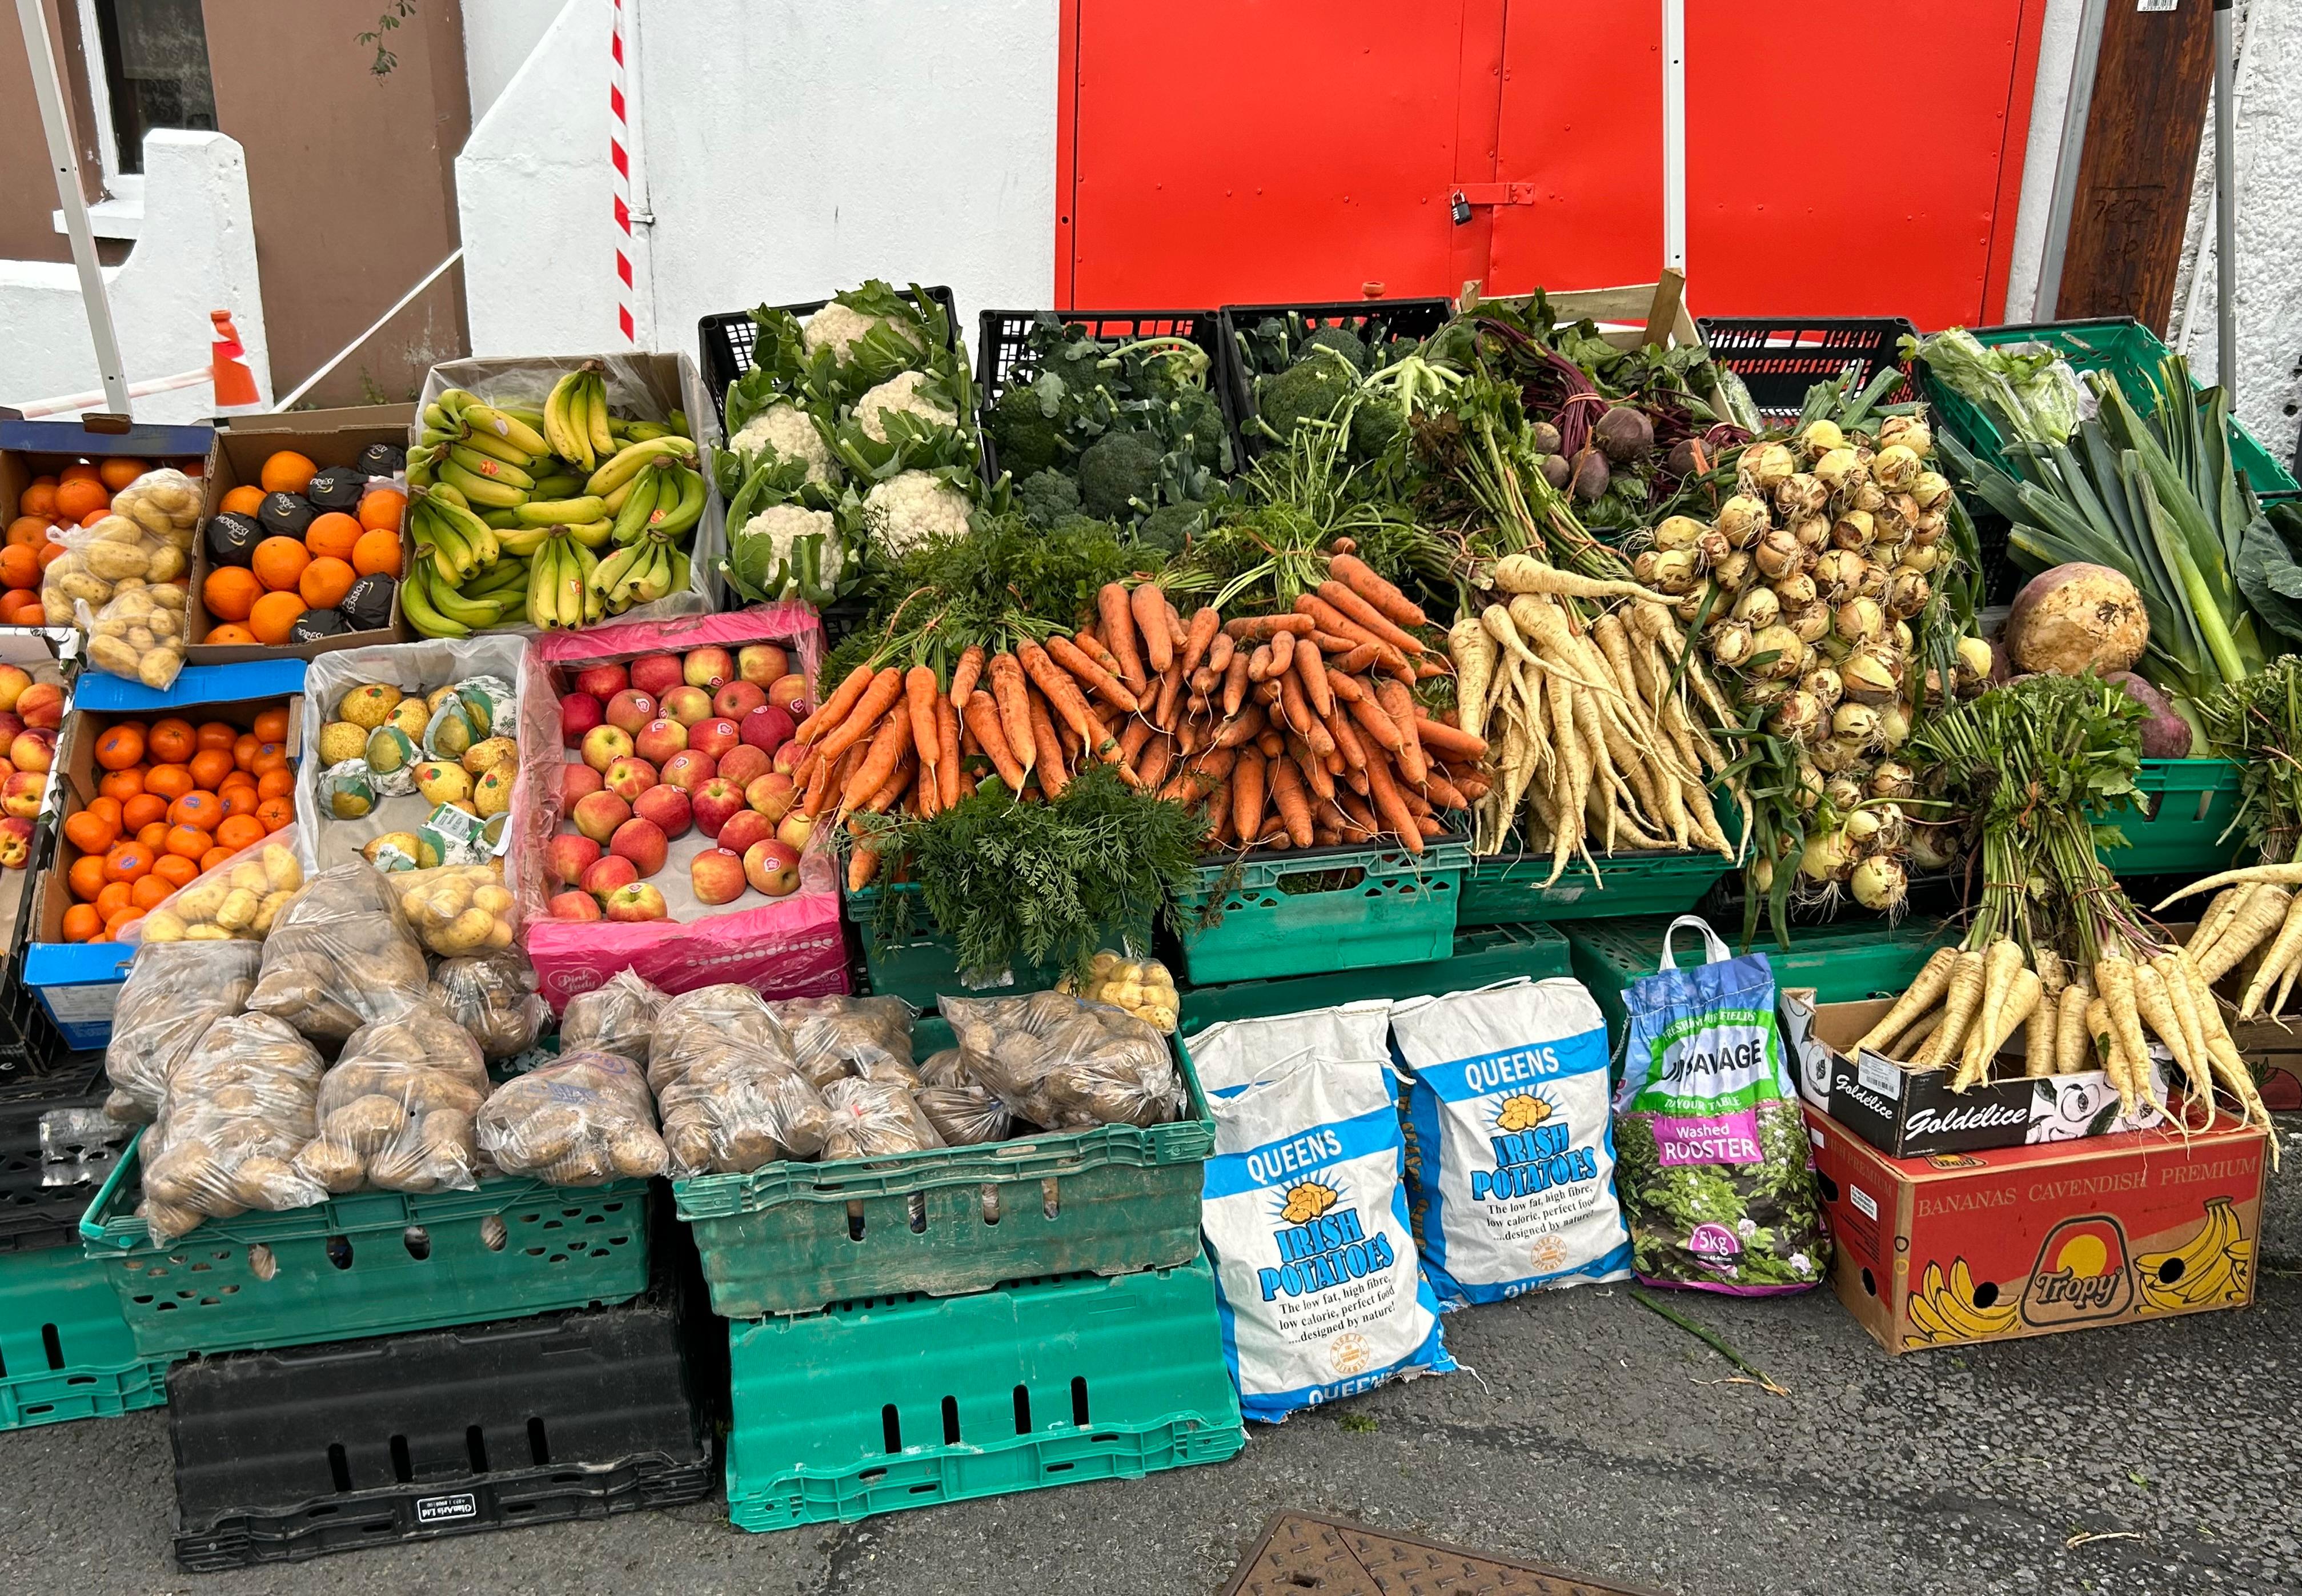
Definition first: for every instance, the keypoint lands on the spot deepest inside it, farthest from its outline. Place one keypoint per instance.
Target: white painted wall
(196, 254)
(499, 34)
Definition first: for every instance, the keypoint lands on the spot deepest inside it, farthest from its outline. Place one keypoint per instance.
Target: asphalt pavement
(1584, 1431)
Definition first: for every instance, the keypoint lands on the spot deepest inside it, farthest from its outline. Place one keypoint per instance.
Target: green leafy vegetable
(2027, 389)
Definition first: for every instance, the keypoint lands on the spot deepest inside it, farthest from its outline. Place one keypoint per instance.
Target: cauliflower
(912, 509)
(900, 392)
(837, 327)
(770, 540)
(786, 431)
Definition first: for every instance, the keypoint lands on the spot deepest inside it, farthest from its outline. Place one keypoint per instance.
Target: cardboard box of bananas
(555, 517)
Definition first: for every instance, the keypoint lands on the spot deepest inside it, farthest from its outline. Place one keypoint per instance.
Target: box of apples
(654, 799)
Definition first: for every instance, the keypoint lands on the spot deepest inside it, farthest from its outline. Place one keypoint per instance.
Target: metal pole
(1674, 134)
(2225, 205)
(2079, 105)
(48, 89)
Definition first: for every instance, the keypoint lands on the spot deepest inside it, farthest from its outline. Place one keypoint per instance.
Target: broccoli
(1025, 437)
(1171, 525)
(1308, 391)
(1046, 497)
(1115, 471)
(1198, 412)
(1345, 342)
(1374, 423)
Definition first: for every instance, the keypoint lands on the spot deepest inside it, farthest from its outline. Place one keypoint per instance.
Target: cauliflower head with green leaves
(837, 325)
(771, 539)
(901, 395)
(787, 432)
(913, 508)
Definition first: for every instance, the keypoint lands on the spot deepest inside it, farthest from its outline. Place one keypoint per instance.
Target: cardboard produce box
(40, 653)
(1962, 1247)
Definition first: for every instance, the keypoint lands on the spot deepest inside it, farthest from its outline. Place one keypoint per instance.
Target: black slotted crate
(999, 353)
(1780, 357)
(1397, 318)
(45, 1188)
(283, 1455)
(724, 340)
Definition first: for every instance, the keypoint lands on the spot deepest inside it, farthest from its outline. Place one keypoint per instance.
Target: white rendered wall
(196, 254)
(499, 34)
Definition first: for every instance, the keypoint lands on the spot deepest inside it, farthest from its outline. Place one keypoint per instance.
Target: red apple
(642, 843)
(761, 663)
(570, 855)
(14, 680)
(637, 902)
(690, 769)
(717, 876)
(575, 905)
(709, 668)
(579, 712)
(20, 793)
(714, 737)
(630, 709)
(786, 757)
(602, 681)
(687, 705)
(15, 842)
(34, 749)
(604, 745)
(712, 802)
(656, 674)
(772, 867)
(794, 829)
(784, 692)
(743, 765)
(631, 776)
(575, 781)
(738, 699)
(765, 728)
(772, 795)
(42, 706)
(744, 827)
(598, 816)
(607, 873)
(659, 740)
(667, 807)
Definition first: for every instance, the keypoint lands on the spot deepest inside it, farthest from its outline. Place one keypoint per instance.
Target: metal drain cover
(1331, 1557)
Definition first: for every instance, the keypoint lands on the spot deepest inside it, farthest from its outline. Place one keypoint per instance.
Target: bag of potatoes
(872, 1119)
(341, 956)
(234, 1115)
(396, 1112)
(460, 908)
(583, 1120)
(138, 634)
(836, 1037)
(618, 1017)
(175, 991)
(962, 1110)
(730, 1089)
(494, 996)
(145, 540)
(237, 901)
(1061, 1062)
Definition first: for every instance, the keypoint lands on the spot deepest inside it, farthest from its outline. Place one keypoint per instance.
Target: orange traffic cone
(235, 383)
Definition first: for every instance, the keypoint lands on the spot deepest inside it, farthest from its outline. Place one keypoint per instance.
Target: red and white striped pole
(619, 154)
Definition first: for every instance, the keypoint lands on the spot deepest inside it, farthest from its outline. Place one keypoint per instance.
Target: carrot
(1063, 694)
(1131, 741)
(1219, 653)
(1088, 644)
(1118, 634)
(1246, 783)
(1258, 663)
(1445, 793)
(1396, 818)
(948, 753)
(1235, 681)
(877, 698)
(880, 759)
(1170, 688)
(1015, 711)
(1287, 796)
(1317, 776)
(1347, 740)
(1257, 628)
(1397, 702)
(1053, 777)
(920, 692)
(1282, 653)
(1437, 735)
(1200, 636)
(1355, 658)
(1923, 993)
(1378, 727)
(863, 864)
(819, 787)
(1219, 828)
(1156, 761)
(1243, 727)
(1177, 636)
(837, 707)
(1120, 695)
(982, 714)
(1148, 605)
(1377, 590)
(1351, 606)
(966, 674)
(884, 798)
(1271, 740)
(1331, 619)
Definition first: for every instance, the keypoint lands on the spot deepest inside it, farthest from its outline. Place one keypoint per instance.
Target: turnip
(2075, 619)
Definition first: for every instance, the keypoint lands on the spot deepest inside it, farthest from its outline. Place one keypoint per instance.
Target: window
(155, 55)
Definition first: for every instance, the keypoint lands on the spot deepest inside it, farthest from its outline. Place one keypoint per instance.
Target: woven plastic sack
(175, 991)
(236, 1112)
(585, 1118)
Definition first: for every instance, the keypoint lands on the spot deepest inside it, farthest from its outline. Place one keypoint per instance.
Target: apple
(761, 663)
(15, 842)
(656, 674)
(575, 781)
(636, 901)
(714, 737)
(631, 776)
(604, 745)
(738, 699)
(711, 802)
(42, 706)
(744, 827)
(575, 905)
(607, 873)
(772, 867)
(14, 680)
(659, 740)
(718, 875)
(570, 855)
(20, 793)
(579, 712)
(765, 728)
(602, 681)
(687, 705)
(667, 807)
(598, 816)
(642, 843)
(786, 757)
(772, 795)
(709, 668)
(630, 709)
(690, 769)
(794, 829)
(743, 765)
(786, 691)
(34, 749)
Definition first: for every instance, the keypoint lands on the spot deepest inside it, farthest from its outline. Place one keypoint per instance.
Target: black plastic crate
(724, 339)
(1399, 318)
(1779, 358)
(45, 1182)
(999, 352)
(288, 1455)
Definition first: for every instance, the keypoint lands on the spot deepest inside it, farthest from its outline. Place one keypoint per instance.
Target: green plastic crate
(1482, 955)
(370, 1264)
(2189, 805)
(1503, 890)
(2127, 349)
(65, 1351)
(793, 1237)
(1326, 908)
(923, 967)
(912, 1401)
(1851, 959)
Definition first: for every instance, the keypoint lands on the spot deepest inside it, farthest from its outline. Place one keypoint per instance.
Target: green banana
(486, 420)
(419, 468)
(586, 562)
(522, 413)
(473, 613)
(438, 419)
(603, 443)
(655, 580)
(447, 495)
(446, 540)
(539, 578)
(633, 518)
(640, 431)
(476, 531)
(678, 513)
(620, 469)
(480, 488)
(505, 576)
(551, 512)
(568, 589)
(416, 603)
(453, 400)
(612, 569)
(522, 540)
(679, 423)
(488, 468)
(501, 520)
(679, 569)
(559, 485)
(439, 437)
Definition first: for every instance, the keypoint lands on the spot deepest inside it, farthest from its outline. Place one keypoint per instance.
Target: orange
(188, 841)
(244, 500)
(287, 472)
(278, 562)
(108, 807)
(152, 838)
(121, 784)
(213, 858)
(140, 810)
(269, 756)
(271, 724)
(276, 784)
(230, 631)
(27, 531)
(150, 891)
(87, 877)
(79, 471)
(119, 471)
(274, 616)
(172, 739)
(230, 592)
(20, 567)
(82, 922)
(198, 810)
(113, 899)
(40, 499)
(275, 813)
(326, 582)
(238, 798)
(239, 831)
(79, 497)
(217, 734)
(171, 782)
(21, 606)
(331, 535)
(243, 750)
(120, 745)
(51, 552)
(210, 766)
(95, 514)
(120, 923)
(377, 553)
(126, 862)
(381, 510)
(175, 870)
(90, 833)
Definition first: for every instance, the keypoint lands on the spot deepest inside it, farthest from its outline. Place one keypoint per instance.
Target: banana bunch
(2214, 1266)
(559, 591)
(1943, 1308)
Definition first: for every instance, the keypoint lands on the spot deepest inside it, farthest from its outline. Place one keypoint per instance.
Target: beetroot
(2076, 619)
(2165, 735)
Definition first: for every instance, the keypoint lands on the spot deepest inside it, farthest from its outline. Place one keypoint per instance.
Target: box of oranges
(144, 804)
(300, 548)
(60, 475)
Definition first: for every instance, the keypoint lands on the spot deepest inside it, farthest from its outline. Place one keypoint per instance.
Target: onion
(1859, 620)
(1921, 558)
(1766, 466)
(1689, 609)
(1826, 858)
(1799, 717)
(1812, 533)
(1821, 436)
(1929, 489)
(1891, 778)
(1927, 530)
(1907, 593)
(1801, 494)
(1674, 570)
(1894, 467)
(1857, 723)
(1807, 790)
(1908, 431)
(1762, 874)
(1761, 691)
(1729, 641)
(1796, 591)
(1837, 573)
(1643, 568)
(1860, 827)
(1678, 532)
(1743, 520)
(1834, 758)
(1733, 572)
(1760, 607)
(1823, 682)
(1933, 847)
(1836, 467)
(1866, 497)
(1879, 883)
(1776, 554)
(1872, 676)
(1784, 644)
(1894, 727)
(1810, 621)
(1901, 637)
(1713, 549)
(1894, 830)
(1854, 530)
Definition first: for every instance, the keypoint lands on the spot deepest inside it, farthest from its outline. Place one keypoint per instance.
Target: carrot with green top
(983, 720)
(1377, 590)
(835, 709)
(1120, 695)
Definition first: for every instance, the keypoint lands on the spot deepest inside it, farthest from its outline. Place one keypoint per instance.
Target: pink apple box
(783, 947)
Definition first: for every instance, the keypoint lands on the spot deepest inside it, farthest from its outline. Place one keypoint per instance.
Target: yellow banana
(548, 512)
(481, 490)
(590, 535)
(489, 467)
(627, 464)
(486, 420)
(524, 540)
(587, 562)
(603, 443)
(568, 440)
(488, 446)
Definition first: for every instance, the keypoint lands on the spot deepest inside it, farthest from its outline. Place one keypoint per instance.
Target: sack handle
(1714, 947)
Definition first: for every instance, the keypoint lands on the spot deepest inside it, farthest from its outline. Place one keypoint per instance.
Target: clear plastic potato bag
(396, 1112)
(144, 540)
(341, 956)
(494, 996)
(873, 1119)
(460, 908)
(1060, 1062)
(616, 1017)
(585, 1118)
(139, 631)
(236, 1112)
(730, 1089)
(965, 1115)
(236, 901)
(835, 1037)
(175, 991)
